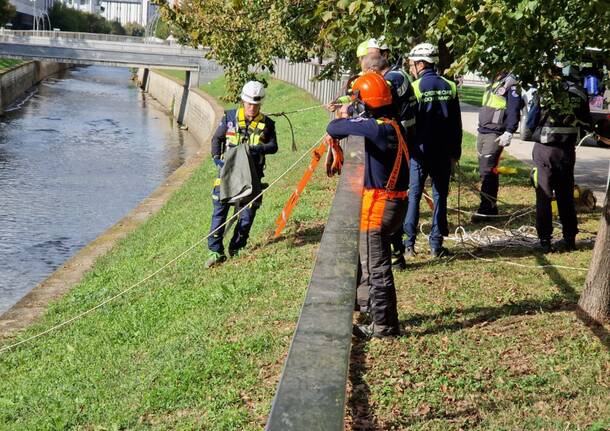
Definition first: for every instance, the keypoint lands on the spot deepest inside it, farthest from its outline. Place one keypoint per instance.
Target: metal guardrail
(301, 75)
(110, 50)
(104, 37)
(311, 394)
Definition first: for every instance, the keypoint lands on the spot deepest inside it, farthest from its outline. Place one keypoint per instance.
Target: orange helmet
(372, 89)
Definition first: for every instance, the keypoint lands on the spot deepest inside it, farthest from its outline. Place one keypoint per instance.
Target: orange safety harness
(401, 151)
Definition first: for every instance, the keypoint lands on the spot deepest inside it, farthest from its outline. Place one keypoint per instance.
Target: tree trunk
(595, 298)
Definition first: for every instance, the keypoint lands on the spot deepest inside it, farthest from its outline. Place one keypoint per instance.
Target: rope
(148, 277)
(492, 236)
(285, 115)
(309, 108)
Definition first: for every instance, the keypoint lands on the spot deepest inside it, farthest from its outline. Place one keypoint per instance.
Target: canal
(76, 157)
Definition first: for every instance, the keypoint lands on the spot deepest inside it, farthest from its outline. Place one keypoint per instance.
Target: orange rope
(282, 219)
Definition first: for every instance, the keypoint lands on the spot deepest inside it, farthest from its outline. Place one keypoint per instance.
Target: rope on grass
(154, 273)
(493, 237)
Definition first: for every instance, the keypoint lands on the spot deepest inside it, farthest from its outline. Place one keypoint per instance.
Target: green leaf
(328, 15)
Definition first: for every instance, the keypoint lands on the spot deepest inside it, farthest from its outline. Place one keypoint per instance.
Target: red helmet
(372, 89)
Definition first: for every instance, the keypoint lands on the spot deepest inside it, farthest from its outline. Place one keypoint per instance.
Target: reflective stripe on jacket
(438, 120)
(501, 106)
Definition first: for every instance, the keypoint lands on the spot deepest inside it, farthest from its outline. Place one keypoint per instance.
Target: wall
(302, 74)
(198, 111)
(17, 80)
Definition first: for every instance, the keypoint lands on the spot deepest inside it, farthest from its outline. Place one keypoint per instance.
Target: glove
(504, 139)
(334, 157)
(219, 162)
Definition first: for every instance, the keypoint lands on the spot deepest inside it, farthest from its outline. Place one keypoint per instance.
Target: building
(124, 11)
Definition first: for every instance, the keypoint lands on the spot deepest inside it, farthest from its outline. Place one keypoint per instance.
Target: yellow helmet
(363, 49)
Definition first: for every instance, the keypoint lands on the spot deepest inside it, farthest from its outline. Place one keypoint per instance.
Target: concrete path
(592, 163)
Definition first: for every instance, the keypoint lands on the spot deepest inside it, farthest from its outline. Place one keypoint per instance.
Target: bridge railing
(73, 35)
(311, 394)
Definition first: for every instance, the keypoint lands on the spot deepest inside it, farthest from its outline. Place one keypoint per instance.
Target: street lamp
(35, 17)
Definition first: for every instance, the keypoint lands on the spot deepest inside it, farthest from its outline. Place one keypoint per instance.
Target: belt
(546, 132)
(387, 194)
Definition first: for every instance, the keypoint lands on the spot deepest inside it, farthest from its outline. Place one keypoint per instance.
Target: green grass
(471, 94)
(190, 349)
(486, 345)
(7, 63)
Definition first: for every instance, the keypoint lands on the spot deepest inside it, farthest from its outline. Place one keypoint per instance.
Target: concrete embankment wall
(17, 80)
(198, 111)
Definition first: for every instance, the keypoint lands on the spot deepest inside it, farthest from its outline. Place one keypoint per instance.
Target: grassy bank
(190, 349)
(7, 63)
(486, 345)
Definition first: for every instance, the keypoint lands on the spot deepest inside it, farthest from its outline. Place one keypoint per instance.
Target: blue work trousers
(242, 226)
(440, 173)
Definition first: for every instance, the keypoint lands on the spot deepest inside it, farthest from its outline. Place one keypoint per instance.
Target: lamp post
(35, 17)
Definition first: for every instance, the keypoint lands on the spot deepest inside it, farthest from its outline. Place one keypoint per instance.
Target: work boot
(440, 252)
(398, 261)
(545, 246)
(214, 258)
(566, 244)
(366, 332)
(410, 252)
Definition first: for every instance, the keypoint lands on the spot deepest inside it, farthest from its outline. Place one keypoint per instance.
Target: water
(76, 157)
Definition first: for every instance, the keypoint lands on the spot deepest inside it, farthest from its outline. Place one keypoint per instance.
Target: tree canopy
(527, 37)
(7, 11)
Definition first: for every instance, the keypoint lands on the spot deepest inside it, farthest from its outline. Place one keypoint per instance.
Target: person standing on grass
(386, 179)
(436, 148)
(239, 146)
(555, 133)
(498, 120)
(404, 102)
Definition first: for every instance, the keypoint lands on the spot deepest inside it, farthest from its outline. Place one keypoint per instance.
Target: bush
(68, 19)
(134, 29)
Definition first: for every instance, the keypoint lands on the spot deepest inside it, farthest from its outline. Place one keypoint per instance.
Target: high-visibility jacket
(403, 97)
(501, 106)
(259, 134)
(438, 120)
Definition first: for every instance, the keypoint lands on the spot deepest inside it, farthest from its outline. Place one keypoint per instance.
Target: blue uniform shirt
(438, 120)
(381, 145)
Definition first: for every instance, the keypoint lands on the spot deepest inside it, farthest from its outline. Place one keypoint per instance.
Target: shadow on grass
(300, 238)
(598, 330)
(358, 403)
(565, 300)
(464, 253)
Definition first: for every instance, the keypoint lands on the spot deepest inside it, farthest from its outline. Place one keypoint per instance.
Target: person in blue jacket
(241, 126)
(386, 179)
(404, 102)
(498, 120)
(436, 147)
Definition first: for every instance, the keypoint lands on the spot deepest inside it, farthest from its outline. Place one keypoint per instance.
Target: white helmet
(424, 52)
(253, 92)
(378, 43)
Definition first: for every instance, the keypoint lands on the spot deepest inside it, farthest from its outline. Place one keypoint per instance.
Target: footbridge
(104, 49)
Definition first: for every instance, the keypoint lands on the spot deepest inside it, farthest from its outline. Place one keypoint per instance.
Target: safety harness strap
(401, 151)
